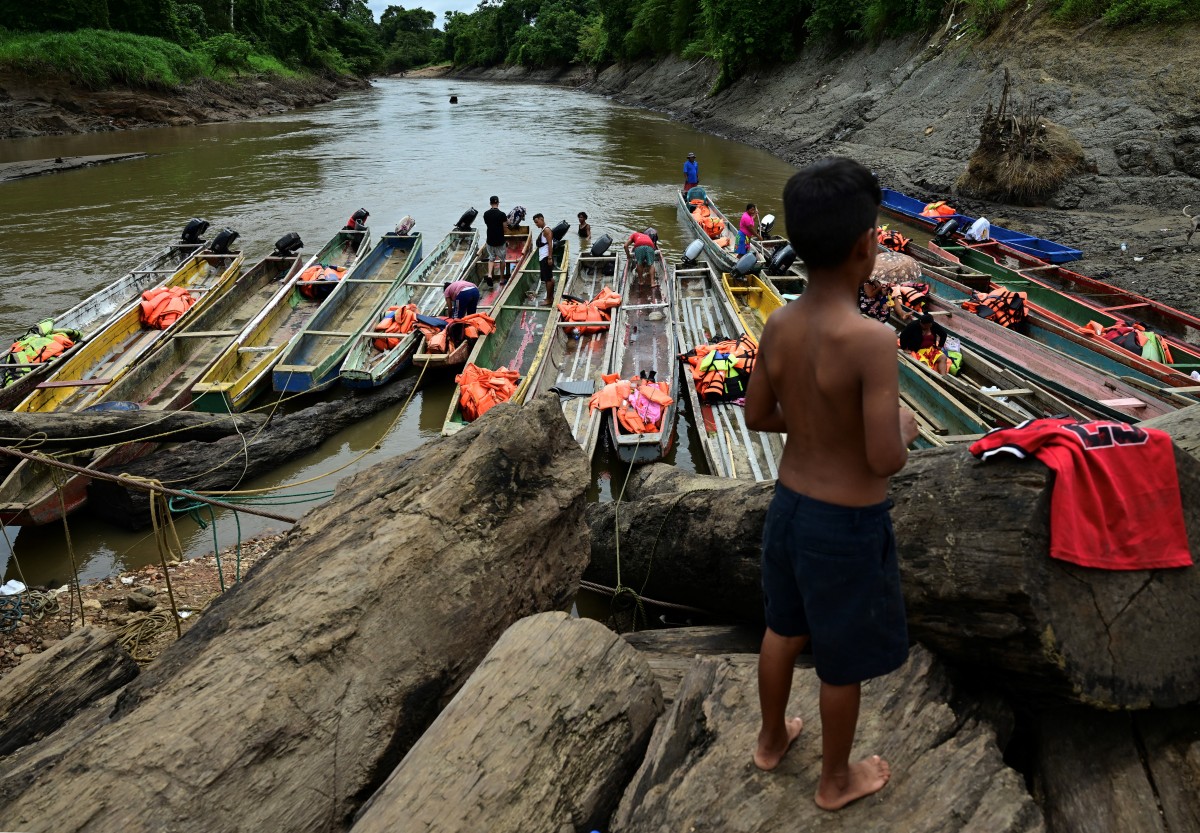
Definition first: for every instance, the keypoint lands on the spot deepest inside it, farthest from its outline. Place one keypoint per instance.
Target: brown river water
(399, 148)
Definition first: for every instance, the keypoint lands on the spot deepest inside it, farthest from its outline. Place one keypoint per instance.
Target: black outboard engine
(747, 264)
(288, 245)
(944, 231)
(601, 246)
(358, 220)
(559, 230)
(781, 260)
(464, 222)
(691, 255)
(193, 230)
(221, 243)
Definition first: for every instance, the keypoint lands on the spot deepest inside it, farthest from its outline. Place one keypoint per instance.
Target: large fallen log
(301, 688)
(92, 429)
(947, 772)
(979, 586)
(225, 464)
(545, 733)
(46, 690)
(1183, 426)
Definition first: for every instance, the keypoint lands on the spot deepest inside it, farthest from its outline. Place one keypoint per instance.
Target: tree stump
(302, 687)
(546, 732)
(948, 774)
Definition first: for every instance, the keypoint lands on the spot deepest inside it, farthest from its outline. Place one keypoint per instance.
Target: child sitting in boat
(925, 340)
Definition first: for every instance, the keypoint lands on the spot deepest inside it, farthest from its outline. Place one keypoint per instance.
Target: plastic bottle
(1124, 247)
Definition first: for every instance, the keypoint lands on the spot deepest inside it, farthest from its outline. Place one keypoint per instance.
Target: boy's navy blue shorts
(831, 572)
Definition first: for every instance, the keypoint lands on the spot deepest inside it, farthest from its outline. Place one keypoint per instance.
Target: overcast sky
(438, 7)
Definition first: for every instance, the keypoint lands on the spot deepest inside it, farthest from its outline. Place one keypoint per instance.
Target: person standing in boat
(640, 250)
(691, 173)
(495, 219)
(545, 249)
(747, 228)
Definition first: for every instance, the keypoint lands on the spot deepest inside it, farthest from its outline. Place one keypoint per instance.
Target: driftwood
(671, 652)
(979, 586)
(948, 773)
(45, 691)
(301, 688)
(227, 463)
(90, 429)
(1183, 426)
(1119, 773)
(545, 733)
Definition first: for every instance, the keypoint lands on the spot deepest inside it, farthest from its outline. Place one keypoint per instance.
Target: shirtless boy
(828, 378)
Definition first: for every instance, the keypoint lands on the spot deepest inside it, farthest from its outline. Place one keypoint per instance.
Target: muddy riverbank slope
(910, 108)
(42, 106)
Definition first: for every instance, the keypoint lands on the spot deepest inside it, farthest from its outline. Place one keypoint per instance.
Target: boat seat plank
(1185, 389)
(1123, 403)
(583, 324)
(74, 383)
(328, 333)
(207, 334)
(1009, 392)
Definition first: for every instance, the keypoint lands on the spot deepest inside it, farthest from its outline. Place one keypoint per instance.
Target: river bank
(910, 109)
(48, 106)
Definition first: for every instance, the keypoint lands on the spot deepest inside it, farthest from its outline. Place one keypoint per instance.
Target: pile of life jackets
(162, 307)
(397, 320)
(937, 210)
(911, 294)
(483, 389)
(713, 225)
(593, 310)
(437, 337)
(41, 344)
(317, 281)
(892, 239)
(1000, 305)
(639, 403)
(722, 371)
(1136, 339)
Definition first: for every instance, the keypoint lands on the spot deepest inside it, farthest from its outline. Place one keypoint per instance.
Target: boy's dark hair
(829, 205)
(538, 216)
(494, 200)
(925, 318)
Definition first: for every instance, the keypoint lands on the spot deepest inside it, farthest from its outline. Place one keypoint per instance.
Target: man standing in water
(691, 173)
(545, 244)
(829, 567)
(495, 219)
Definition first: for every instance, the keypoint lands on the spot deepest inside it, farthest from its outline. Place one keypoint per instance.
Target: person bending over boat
(495, 219)
(462, 299)
(925, 340)
(640, 249)
(829, 569)
(545, 244)
(691, 173)
(747, 228)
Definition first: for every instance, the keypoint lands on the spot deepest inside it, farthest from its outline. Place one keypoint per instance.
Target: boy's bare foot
(768, 755)
(864, 778)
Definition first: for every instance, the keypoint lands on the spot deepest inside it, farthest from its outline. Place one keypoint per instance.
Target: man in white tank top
(545, 244)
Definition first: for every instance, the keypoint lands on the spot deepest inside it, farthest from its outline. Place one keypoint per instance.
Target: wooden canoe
(580, 359)
(518, 250)
(243, 370)
(1070, 313)
(82, 378)
(162, 381)
(720, 252)
(704, 315)
(312, 359)
(941, 418)
(91, 315)
(523, 332)
(366, 366)
(753, 299)
(645, 341)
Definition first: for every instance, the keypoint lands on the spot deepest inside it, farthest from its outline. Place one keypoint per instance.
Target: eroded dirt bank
(45, 106)
(910, 109)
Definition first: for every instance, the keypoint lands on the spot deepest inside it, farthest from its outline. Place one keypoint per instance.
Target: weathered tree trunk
(301, 688)
(546, 732)
(92, 428)
(979, 585)
(1183, 426)
(671, 652)
(947, 773)
(229, 462)
(45, 691)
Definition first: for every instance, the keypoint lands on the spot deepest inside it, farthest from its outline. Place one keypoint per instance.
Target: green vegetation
(1129, 12)
(98, 59)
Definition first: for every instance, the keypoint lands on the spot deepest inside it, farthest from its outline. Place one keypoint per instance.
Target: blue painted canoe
(905, 206)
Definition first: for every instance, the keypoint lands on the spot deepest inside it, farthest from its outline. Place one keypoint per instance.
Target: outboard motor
(288, 245)
(221, 243)
(944, 231)
(691, 255)
(193, 230)
(559, 230)
(747, 264)
(358, 220)
(601, 246)
(464, 222)
(405, 226)
(765, 225)
(781, 260)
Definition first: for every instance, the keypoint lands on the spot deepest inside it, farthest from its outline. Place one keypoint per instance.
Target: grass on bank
(99, 58)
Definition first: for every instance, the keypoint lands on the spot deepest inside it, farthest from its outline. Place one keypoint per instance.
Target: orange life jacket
(1131, 337)
(437, 339)
(483, 389)
(892, 239)
(1000, 305)
(162, 307)
(912, 294)
(398, 320)
(713, 379)
(938, 209)
(317, 281)
(713, 226)
(593, 310)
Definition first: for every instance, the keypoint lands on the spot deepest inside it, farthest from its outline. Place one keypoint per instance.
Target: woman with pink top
(747, 228)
